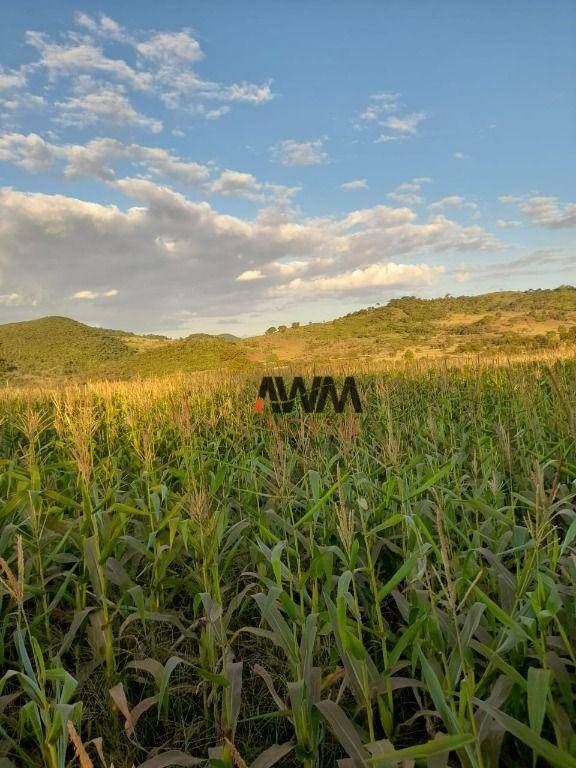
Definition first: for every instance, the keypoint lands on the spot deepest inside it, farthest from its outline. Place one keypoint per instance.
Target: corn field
(185, 582)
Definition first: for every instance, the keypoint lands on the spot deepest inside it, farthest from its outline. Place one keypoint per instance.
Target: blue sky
(185, 167)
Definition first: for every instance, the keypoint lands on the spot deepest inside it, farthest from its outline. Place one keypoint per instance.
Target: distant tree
(282, 328)
(271, 330)
(295, 325)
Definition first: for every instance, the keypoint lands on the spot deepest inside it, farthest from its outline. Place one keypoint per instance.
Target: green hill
(506, 322)
(199, 352)
(58, 346)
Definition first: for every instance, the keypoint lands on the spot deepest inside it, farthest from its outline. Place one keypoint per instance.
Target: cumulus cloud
(29, 152)
(355, 184)
(544, 211)
(97, 159)
(98, 85)
(12, 78)
(94, 103)
(388, 275)
(453, 201)
(409, 192)
(23, 102)
(244, 185)
(237, 184)
(103, 26)
(168, 48)
(166, 254)
(292, 152)
(83, 57)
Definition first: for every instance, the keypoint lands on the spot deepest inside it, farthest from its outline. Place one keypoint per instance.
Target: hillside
(58, 346)
(508, 322)
(199, 352)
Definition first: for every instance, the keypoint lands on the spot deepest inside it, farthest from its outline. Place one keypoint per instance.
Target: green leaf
(550, 752)
(344, 730)
(438, 746)
(538, 687)
(399, 576)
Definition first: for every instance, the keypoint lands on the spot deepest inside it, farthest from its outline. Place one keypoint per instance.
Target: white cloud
(164, 163)
(165, 253)
(405, 198)
(386, 137)
(84, 57)
(214, 114)
(12, 78)
(355, 184)
(164, 68)
(237, 184)
(389, 275)
(409, 192)
(379, 104)
(104, 26)
(291, 152)
(547, 211)
(407, 124)
(94, 103)
(453, 201)
(250, 274)
(383, 111)
(504, 224)
(29, 152)
(459, 155)
(23, 102)
(94, 294)
(244, 185)
(11, 299)
(97, 159)
(281, 269)
(249, 93)
(171, 48)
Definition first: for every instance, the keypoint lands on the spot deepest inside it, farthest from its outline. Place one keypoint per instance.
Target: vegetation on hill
(505, 322)
(195, 353)
(58, 346)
